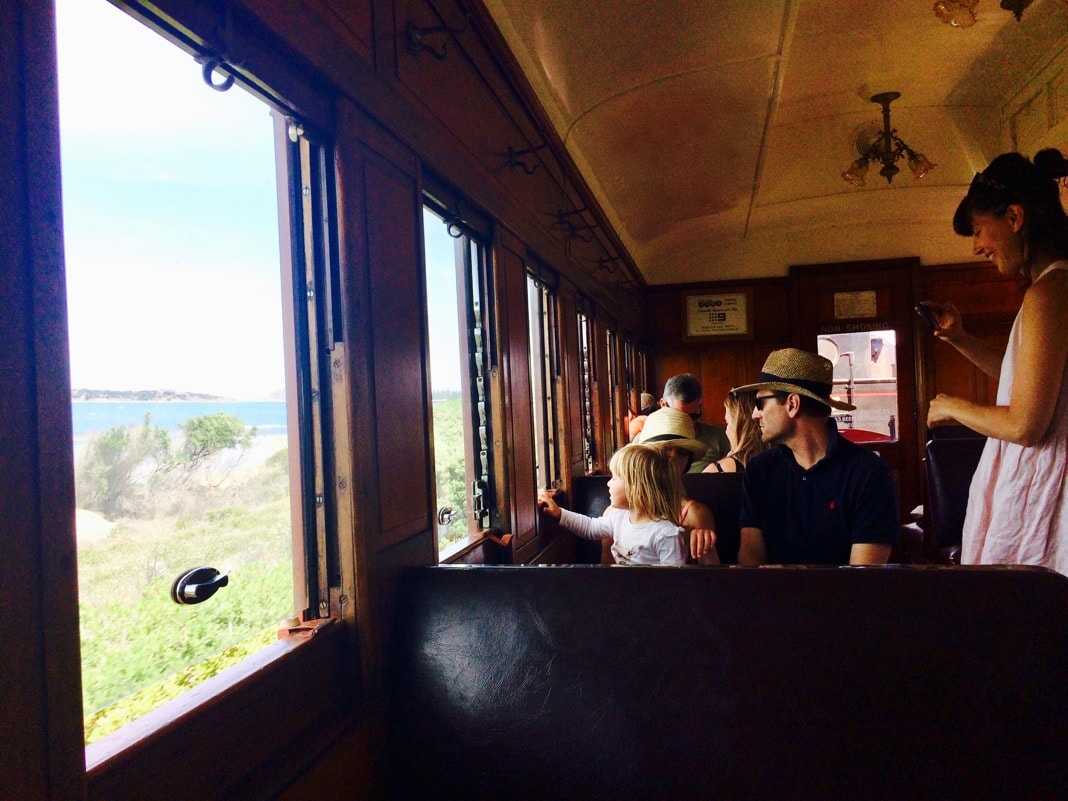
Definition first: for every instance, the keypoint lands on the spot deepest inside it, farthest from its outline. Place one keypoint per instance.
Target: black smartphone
(928, 320)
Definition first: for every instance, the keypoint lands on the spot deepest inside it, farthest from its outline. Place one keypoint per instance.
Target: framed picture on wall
(720, 315)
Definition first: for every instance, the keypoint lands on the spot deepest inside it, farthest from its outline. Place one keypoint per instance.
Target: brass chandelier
(887, 148)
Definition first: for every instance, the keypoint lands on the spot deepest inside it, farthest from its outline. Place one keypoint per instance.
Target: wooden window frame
(305, 684)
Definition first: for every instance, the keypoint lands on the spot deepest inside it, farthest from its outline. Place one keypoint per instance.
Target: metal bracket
(415, 35)
(515, 157)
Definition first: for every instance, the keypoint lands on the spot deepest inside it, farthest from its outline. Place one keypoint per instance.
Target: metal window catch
(211, 63)
(197, 585)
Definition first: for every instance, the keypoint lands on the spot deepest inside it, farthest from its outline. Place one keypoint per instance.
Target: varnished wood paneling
(264, 717)
(337, 772)
(511, 283)
(988, 302)
(816, 288)
(717, 365)
(401, 388)
(40, 687)
(353, 21)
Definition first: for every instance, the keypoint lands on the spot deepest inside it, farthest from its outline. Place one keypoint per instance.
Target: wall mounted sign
(853, 305)
(722, 315)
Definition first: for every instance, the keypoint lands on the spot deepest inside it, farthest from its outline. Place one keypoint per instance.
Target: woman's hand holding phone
(927, 317)
(943, 319)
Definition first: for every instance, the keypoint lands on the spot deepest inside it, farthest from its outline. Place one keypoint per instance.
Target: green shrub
(139, 648)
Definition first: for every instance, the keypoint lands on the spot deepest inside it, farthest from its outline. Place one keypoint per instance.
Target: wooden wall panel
(717, 365)
(379, 211)
(511, 292)
(40, 681)
(988, 302)
(354, 22)
(401, 384)
(815, 293)
(468, 92)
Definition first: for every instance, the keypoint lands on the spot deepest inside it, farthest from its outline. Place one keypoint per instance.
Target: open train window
(544, 371)
(629, 370)
(865, 375)
(461, 347)
(587, 381)
(199, 277)
(614, 387)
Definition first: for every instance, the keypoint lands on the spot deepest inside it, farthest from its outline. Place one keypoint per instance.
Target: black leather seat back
(722, 493)
(603, 682)
(951, 463)
(589, 496)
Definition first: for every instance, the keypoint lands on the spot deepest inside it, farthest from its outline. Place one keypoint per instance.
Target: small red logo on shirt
(831, 506)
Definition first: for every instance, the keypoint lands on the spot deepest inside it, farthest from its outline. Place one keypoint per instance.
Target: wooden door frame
(893, 281)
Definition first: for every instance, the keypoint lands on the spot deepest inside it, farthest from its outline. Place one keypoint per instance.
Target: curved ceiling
(714, 138)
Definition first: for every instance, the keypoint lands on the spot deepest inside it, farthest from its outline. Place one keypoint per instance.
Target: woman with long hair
(1017, 507)
(742, 431)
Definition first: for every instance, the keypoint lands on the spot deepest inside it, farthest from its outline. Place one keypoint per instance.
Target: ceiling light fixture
(958, 13)
(961, 13)
(1016, 7)
(886, 148)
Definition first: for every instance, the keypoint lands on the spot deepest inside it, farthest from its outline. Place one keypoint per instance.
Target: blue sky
(170, 216)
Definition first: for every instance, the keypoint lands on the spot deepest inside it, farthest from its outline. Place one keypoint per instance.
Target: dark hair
(810, 407)
(1013, 179)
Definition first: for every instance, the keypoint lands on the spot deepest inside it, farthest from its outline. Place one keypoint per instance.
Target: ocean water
(96, 417)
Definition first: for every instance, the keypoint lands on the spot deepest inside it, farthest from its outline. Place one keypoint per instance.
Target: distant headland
(141, 395)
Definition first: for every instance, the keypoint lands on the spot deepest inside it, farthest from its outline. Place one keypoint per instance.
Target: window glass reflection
(865, 374)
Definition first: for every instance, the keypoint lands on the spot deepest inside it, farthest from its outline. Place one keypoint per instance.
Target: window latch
(197, 585)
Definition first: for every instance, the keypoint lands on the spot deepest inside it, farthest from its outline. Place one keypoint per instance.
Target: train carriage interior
(466, 236)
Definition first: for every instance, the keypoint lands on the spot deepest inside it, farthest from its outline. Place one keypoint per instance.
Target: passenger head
(743, 430)
(683, 392)
(649, 481)
(798, 372)
(1023, 196)
(672, 433)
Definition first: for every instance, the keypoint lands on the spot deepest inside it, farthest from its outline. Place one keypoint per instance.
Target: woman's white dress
(1017, 506)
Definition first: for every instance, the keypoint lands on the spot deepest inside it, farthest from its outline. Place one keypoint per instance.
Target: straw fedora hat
(669, 425)
(793, 370)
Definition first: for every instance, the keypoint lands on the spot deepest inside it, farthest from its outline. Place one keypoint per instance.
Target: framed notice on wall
(723, 315)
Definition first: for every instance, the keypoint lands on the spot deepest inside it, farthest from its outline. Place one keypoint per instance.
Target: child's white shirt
(658, 542)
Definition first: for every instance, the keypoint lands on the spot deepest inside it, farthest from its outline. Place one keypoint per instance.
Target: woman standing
(1018, 506)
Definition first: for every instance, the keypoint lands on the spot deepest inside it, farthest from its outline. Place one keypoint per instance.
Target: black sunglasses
(760, 400)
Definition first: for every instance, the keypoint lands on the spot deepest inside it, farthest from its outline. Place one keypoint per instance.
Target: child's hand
(702, 540)
(547, 504)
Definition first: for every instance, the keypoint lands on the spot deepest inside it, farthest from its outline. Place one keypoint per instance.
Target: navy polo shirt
(814, 516)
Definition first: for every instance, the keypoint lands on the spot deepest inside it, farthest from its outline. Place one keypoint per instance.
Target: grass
(139, 648)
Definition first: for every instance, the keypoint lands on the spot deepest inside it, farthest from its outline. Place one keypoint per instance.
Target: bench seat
(602, 682)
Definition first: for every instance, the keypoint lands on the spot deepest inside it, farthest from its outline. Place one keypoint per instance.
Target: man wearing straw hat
(817, 498)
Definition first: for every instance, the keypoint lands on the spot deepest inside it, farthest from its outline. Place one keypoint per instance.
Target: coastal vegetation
(449, 466)
(164, 505)
(156, 503)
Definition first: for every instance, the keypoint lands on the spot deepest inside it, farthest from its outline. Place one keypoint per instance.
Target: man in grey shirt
(683, 392)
